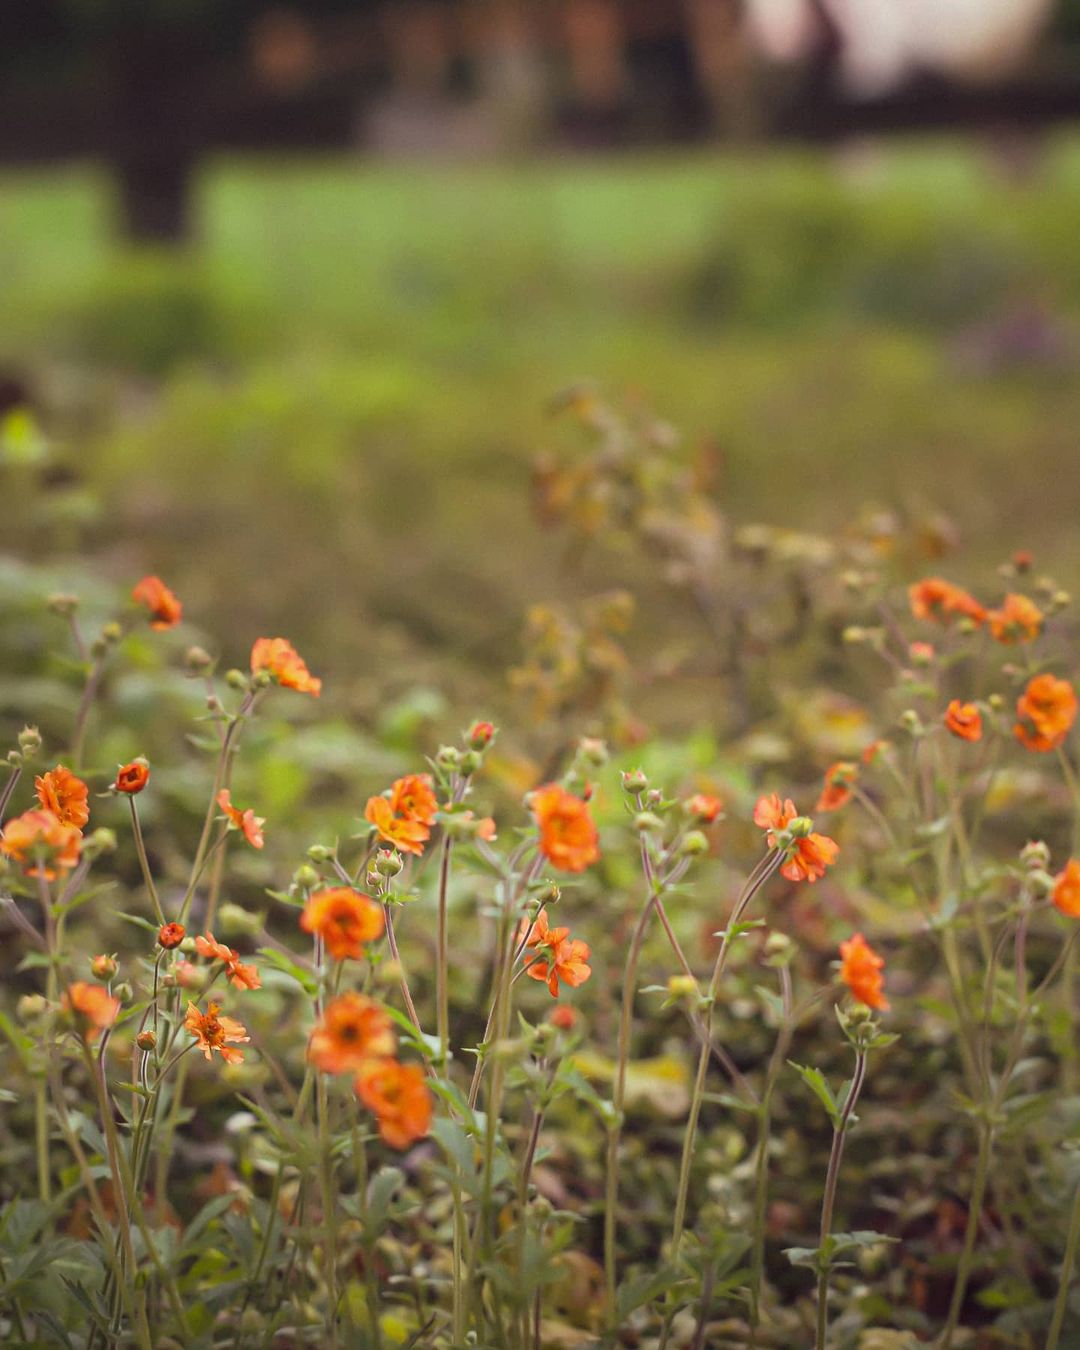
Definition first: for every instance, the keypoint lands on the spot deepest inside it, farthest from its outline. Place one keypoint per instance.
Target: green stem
(144, 862)
(1072, 1242)
(963, 1269)
(831, 1179)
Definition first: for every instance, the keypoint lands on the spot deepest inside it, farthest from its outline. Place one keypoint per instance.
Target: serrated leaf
(815, 1081)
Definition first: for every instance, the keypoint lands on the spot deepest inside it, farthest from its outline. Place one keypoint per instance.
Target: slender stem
(90, 688)
(8, 789)
(367, 1239)
(761, 1169)
(963, 1269)
(144, 862)
(831, 1179)
(329, 1200)
(442, 970)
(41, 1134)
(1072, 1243)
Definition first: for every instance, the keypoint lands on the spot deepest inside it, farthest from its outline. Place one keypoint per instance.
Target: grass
(357, 357)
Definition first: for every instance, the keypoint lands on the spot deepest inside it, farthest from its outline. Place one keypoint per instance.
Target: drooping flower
(398, 1097)
(1018, 620)
(171, 935)
(807, 855)
(247, 822)
(165, 609)
(345, 920)
(212, 1032)
(41, 843)
(860, 969)
(132, 778)
(65, 795)
(239, 974)
(406, 835)
(837, 789)
(1045, 712)
(353, 1030)
(538, 933)
(281, 659)
(934, 598)
(566, 960)
(413, 798)
(1066, 892)
(92, 1007)
(704, 806)
(568, 836)
(964, 720)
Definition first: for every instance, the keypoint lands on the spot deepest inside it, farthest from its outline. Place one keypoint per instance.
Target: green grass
(336, 392)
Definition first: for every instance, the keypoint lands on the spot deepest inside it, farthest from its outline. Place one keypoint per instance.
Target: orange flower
(933, 598)
(810, 858)
(344, 919)
(566, 960)
(480, 735)
(60, 792)
(243, 977)
(539, 934)
(1018, 620)
(1066, 892)
(398, 1097)
(860, 969)
(568, 837)
(837, 790)
(413, 798)
(771, 814)
(354, 1030)
(1045, 713)
(42, 843)
(281, 659)
(165, 609)
(94, 1008)
(212, 1031)
(964, 720)
(171, 935)
(409, 836)
(247, 822)
(563, 1016)
(871, 751)
(705, 807)
(133, 777)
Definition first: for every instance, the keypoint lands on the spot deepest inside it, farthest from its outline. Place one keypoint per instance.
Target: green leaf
(645, 1289)
(281, 962)
(815, 1081)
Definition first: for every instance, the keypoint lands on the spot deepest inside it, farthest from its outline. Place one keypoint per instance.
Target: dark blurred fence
(152, 86)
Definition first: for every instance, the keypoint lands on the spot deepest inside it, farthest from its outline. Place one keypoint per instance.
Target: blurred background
(288, 291)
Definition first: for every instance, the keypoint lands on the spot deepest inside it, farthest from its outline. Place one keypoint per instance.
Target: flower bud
(593, 751)
(198, 661)
(388, 862)
(146, 1040)
(374, 880)
(305, 877)
(1060, 600)
(319, 853)
(98, 843)
(545, 893)
(800, 827)
(30, 1007)
(680, 987)
(645, 822)
(448, 757)
(236, 679)
(103, 967)
(1035, 855)
(909, 720)
(634, 781)
(235, 921)
(171, 935)
(778, 950)
(111, 633)
(995, 702)
(480, 735)
(124, 992)
(15, 759)
(694, 844)
(62, 603)
(30, 741)
(563, 1016)
(132, 778)
(261, 679)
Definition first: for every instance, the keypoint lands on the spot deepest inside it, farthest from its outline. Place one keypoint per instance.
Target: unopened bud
(645, 822)
(1035, 855)
(198, 661)
(30, 741)
(99, 842)
(235, 921)
(694, 844)
(909, 720)
(545, 893)
(111, 633)
(995, 702)
(146, 1040)
(60, 602)
(30, 1007)
(1060, 600)
(236, 679)
(469, 762)
(388, 862)
(480, 735)
(103, 967)
(800, 827)
(261, 679)
(682, 987)
(305, 877)
(779, 949)
(374, 879)
(124, 992)
(319, 853)
(593, 751)
(448, 757)
(634, 781)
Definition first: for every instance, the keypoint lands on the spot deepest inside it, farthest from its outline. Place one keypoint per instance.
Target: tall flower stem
(1072, 1244)
(8, 789)
(144, 862)
(761, 1165)
(832, 1177)
(967, 1254)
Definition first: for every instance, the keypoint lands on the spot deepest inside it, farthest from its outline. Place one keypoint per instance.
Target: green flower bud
(305, 877)
(694, 844)
(634, 781)
(235, 921)
(30, 741)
